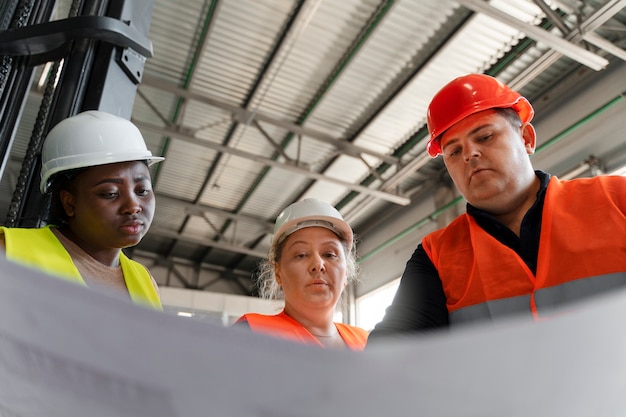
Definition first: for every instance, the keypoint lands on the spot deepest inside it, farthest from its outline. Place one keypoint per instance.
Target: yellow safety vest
(52, 257)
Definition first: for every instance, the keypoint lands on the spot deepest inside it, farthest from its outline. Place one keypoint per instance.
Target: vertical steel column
(117, 71)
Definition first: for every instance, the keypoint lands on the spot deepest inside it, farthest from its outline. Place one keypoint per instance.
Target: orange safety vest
(51, 257)
(582, 252)
(283, 326)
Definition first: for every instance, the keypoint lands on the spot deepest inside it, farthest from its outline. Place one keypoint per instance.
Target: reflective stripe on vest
(52, 258)
(546, 300)
(495, 309)
(582, 253)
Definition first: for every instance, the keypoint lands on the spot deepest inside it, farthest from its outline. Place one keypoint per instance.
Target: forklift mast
(96, 57)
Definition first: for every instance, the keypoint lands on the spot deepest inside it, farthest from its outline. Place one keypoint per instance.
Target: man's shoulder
(597, 180)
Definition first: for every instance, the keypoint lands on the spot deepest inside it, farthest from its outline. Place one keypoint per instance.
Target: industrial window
(370, 308)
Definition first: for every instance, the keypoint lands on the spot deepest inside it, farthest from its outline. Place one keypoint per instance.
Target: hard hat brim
(341, 229)
(82, 161)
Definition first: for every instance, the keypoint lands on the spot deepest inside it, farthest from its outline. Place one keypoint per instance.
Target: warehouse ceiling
(256, 104)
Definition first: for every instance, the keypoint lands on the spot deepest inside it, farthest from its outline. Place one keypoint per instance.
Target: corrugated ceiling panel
(520, 9)
(242, 34)
(326, 191)
(168, 215)
(291, 86)
(199, 228)
(278, 188)
(191, 161)
(230, 182)
(391, 47)
(310, 55)
(154, 142)
(183, 171)
(240, 233)
(542, 78)
(545, 76)
(143, 112)
(248, 138)
(239, 42)
(244, 172)
(313, 153)
(206, 122)
(174, 31)
(154, 106)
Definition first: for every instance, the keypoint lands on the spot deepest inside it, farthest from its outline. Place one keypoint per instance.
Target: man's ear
(67, 201)
(530, 138)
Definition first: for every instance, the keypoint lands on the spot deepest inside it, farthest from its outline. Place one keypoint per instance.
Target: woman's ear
(67, 201)
(277, 275)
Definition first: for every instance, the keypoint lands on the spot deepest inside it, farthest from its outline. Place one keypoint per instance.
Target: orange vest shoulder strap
(278, 323)
(355, 337)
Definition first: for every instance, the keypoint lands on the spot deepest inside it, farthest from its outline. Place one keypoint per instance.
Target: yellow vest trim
(52, 258)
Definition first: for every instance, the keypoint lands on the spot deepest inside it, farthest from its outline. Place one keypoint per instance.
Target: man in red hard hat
(529, 244)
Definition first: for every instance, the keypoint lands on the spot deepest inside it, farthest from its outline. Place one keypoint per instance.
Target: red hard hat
(467, 95)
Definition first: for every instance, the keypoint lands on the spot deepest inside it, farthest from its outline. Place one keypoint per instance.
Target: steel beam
(156, 230)
(394, 198)
(244, 116)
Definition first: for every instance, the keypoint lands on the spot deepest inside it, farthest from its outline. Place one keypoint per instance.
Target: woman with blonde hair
(311, 260)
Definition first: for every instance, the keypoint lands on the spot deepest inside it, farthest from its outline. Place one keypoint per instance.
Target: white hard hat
(310, 212)
(91, 138)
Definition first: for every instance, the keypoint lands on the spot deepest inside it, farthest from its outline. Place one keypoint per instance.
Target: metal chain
(24, 9)
(34, 146)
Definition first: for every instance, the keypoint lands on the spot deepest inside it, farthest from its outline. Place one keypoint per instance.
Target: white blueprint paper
(70, 351)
